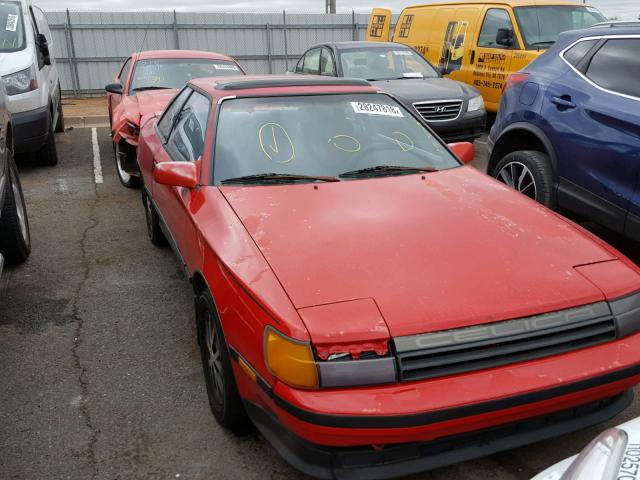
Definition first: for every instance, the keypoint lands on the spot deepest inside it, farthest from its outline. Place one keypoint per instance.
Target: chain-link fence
(90, 46)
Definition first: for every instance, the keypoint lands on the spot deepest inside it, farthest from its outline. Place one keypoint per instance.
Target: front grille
(491, 345)
(439, 111)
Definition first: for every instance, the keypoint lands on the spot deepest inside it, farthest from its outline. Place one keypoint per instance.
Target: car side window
(300, 64)
(495, 19)
(312, 62)
(577, 53)
(166, 122)
(615, 64)
(188, 135)
(327, 64)
(124, 72)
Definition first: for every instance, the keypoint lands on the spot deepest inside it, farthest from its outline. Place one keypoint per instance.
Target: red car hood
(455, 249)
(134, 108)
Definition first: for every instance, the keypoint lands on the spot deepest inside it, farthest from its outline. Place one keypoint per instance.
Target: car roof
(266, 85)
(151, 54)
(359, 44)
(601, 29)
(512, 3)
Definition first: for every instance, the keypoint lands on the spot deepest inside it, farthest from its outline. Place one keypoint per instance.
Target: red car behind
(155, 70)
(373, 305)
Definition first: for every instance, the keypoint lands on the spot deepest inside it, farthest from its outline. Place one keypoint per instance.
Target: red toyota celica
(129, 98)
(373, 305)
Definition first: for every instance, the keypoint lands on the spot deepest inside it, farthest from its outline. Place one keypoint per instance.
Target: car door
(114, 99)
(492, 61)
(594, 109)
(185, 143)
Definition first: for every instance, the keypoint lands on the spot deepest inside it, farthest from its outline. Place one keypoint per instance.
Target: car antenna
(144, 38)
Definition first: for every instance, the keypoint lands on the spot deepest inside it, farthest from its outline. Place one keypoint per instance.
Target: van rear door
(379, 25)
(492, 62)
(458, 44)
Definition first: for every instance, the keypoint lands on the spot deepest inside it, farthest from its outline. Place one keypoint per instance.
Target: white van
(30, 76)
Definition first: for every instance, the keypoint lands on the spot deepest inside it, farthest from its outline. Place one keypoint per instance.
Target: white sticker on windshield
(406, 53)
(12, 22)
(376, 109)
(225, 66)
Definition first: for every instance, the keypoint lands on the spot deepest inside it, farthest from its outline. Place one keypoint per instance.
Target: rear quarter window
(577, 53)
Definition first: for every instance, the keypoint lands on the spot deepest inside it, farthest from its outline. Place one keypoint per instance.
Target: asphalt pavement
(100, 375)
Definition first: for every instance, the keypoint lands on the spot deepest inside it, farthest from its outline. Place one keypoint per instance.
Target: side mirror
(176, 174)
(114, 88)
(505, 37)
(43, 46)
(465, 151)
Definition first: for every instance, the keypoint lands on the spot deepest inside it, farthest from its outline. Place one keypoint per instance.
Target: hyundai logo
(440, 109)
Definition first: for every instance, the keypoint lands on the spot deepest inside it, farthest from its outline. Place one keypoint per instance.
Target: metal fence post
(355, 26)
(268, 30)
(74, 61)
(66, 39)
(286, 50)
(176, 39)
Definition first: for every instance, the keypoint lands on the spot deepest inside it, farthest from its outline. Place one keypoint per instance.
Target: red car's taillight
(514, 79)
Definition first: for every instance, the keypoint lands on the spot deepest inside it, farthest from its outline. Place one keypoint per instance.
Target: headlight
(600, 459)
(289, 360)
(476, 103)
(21, 82)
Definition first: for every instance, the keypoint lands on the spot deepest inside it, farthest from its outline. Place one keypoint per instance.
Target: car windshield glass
(540, 26)
(11, 28)
(322, 136)
(384, 63)
(175, 73)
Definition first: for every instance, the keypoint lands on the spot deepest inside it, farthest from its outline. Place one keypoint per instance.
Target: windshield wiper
(276, 177)
(142, 89)
(383, 169)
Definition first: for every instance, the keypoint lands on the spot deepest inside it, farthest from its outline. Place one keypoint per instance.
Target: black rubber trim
(262, 383)
(426, 418)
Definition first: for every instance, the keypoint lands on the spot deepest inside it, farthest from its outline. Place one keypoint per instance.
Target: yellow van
(481, 43)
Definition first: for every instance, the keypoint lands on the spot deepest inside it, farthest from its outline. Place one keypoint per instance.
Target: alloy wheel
(213, 356)
(518, 176)
(20, 211)
(124, 176)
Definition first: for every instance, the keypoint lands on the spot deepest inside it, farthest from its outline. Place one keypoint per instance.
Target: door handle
(564, 101)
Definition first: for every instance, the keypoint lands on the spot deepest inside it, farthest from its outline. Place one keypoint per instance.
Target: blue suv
(567, 133)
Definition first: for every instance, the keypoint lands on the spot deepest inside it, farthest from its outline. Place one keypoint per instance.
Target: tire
(533, 172)
(48, 155)
(153, 221)
(60, 123)
(15, 238)
(126, 179)
(222, 391)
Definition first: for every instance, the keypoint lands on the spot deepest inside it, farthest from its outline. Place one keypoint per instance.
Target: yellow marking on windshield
(404, 141)
(276, 131)
(345, 147)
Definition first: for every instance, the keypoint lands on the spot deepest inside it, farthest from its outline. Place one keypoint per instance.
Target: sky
(624, 9)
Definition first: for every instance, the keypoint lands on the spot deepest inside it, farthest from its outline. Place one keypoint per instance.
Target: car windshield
(175, 73)
(385, 63)
(540, 26)
(11, 28)
(322, 136)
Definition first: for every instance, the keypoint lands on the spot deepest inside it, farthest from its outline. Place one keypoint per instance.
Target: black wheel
(60, 123)
(15, 239)
(122, 152)
(153, 221)
(529, 172)
(48, 154)
(224, 399)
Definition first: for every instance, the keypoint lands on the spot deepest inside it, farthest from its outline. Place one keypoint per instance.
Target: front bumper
(31, 129)
(391, 461)
(468, 126)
